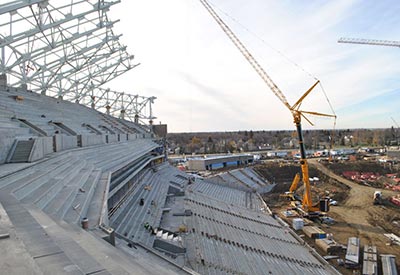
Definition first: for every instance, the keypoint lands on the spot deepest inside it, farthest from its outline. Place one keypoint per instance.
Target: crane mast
(307, 204)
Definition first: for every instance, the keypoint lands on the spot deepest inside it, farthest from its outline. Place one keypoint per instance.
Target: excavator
(305, 205)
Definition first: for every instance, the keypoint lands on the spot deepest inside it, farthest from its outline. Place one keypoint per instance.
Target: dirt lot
(355, 214)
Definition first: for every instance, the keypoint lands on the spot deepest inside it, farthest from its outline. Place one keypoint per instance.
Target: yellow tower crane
(307, 204)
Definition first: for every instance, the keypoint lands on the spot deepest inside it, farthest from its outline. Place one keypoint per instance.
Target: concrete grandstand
(118, 181)
(85, 192)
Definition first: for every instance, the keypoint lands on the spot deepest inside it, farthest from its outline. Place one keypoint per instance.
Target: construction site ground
(355, 215)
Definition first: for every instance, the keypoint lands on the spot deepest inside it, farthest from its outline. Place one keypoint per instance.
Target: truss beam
(68, 49)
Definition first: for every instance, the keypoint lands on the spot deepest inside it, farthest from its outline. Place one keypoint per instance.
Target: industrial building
(218, 162)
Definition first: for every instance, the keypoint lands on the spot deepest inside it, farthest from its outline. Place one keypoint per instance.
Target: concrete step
(16, 180)
(11, 127)
(15, 257)
(55, 169)
(96, 205)
(22, 151)
(8, 123)
(120, 214)
(13, 180)
(48, 195)
(25, 180)
(68, 194)
(72, 249)
(43, 193)
(83, 199)
(93, 253)
(47, 255)
(132, 210)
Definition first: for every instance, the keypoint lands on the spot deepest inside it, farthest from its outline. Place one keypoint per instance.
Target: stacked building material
(353, 253)
(298, 223)
(370, 260)
(389, 265)
(328, 246)
(314, 232)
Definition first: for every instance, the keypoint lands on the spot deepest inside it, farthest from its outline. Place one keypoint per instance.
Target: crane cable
(332, 141)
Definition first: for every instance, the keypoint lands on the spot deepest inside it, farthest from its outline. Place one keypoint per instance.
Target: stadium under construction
(85, 183)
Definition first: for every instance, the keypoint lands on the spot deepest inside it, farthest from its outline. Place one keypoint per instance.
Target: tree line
(249, 140)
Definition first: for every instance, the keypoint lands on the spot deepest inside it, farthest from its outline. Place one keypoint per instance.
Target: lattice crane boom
(375, 42)
(245, 52)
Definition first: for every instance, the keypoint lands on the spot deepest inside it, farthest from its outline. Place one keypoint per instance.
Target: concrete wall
(41, 147)
(59, 142)
(133, 136)
(112, 138)
(88, 140)
(63, 142)
(123, 137)
(6, 141)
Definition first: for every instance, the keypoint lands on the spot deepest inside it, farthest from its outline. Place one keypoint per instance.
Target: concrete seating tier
(129, 220)
(218, 179)
(224, 193)
(217, 257)
(225, 238)
(243, 179)
(40, 110)
(36, 244)
(252, 174)
(69, 185)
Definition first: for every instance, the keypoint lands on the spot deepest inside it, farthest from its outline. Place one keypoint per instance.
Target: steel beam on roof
(16, 5)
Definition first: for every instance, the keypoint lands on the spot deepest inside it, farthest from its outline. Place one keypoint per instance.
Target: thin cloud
(179, 36)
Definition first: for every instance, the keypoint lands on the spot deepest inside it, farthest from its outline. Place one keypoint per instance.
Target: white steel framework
(68, 49)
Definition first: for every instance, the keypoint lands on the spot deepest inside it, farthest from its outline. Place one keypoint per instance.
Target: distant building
(395, 154)
(217, 162)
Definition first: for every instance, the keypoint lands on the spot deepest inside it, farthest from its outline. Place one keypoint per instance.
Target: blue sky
(202, 83)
